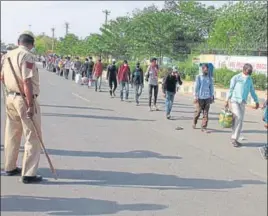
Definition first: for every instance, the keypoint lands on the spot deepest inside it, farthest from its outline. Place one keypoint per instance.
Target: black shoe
(235, 143)
(14, 172)
(31, 179)
(111, 93)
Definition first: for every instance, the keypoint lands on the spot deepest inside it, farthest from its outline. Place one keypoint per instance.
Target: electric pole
(67, 25)
(107, 13)
(53, 35)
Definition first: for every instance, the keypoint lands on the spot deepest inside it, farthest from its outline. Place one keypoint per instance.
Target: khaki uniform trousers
(16, 124)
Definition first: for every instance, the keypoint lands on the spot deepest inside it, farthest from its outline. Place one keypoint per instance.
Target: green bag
(226, 118)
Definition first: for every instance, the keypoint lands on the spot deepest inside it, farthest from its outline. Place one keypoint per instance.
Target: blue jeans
(89, 74)
(138, 91)
(98, 82)
(169, 101)
(124, 85)
(265, 115)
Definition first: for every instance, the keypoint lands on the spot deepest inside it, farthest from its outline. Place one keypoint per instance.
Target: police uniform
(17, 122)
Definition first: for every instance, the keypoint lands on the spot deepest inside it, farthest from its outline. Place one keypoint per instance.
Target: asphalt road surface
(114, 158)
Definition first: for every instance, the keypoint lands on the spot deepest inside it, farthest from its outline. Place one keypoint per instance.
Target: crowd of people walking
(88, 72)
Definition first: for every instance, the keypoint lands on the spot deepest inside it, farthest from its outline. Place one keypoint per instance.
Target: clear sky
(85, 17)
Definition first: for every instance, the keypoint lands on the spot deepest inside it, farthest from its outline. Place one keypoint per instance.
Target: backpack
(137, 73)
(112, 68)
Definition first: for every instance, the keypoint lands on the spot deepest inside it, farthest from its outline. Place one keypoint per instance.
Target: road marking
(77, 95)
(50, 83)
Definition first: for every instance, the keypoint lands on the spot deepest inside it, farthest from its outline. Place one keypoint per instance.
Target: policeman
(19, 115)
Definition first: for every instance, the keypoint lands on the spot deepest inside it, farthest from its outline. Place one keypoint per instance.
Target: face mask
(125, 65)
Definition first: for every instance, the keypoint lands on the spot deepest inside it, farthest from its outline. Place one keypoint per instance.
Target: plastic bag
(90, 82)
(226, 118)
(78, 78)
(84, 81)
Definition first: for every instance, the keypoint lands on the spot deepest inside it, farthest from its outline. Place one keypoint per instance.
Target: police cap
(29, 33)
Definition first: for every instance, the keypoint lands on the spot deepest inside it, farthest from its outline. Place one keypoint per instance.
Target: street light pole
(107, 13)
(53, 35)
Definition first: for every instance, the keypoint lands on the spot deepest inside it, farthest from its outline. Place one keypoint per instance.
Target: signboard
(236, 63)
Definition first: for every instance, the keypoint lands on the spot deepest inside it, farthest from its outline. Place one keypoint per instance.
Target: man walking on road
(67, 66)
(90, 68)
(203, 97)
(152, 77)
(43, 61)
(169, 89)
(137, 81)
(19, 116)
(124, 79)
(77, 67)
(112, 77)
(98, 69)
(240, 87)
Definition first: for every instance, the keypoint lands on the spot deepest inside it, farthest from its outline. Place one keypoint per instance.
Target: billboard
(236, 63)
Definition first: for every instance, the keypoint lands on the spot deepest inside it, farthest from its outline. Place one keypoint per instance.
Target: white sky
(85, 17)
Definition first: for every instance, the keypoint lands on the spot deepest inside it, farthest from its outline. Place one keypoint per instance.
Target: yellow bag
(226, 118)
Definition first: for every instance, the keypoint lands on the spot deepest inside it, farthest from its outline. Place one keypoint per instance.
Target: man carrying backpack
(203, 96)
(112, 78)
(137, 81)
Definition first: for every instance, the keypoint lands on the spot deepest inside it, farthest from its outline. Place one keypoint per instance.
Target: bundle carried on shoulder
(226, 118)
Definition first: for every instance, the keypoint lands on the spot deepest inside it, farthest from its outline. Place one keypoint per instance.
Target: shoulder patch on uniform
(29, 65)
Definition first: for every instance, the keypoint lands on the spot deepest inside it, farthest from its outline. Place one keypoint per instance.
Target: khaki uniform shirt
(24, 65)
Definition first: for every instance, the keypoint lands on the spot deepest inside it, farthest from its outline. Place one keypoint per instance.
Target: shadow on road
(75, 107)
(147, 180)
(95, 117)
(132, 154)
(254, 144)
(254, 131)
(69, 206)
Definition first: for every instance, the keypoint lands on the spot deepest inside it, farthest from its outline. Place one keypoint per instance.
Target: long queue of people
(241, 86)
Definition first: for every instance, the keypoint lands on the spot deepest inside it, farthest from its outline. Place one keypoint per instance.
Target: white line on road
(77, 95)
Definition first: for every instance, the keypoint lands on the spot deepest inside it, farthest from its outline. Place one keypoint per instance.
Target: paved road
(114, 158)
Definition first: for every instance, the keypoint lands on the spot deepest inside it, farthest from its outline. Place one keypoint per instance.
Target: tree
(240, 26)
(69, 45)
(43, 43)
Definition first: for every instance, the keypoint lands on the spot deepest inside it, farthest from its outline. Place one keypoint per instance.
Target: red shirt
(98, 69)
(124, 73)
